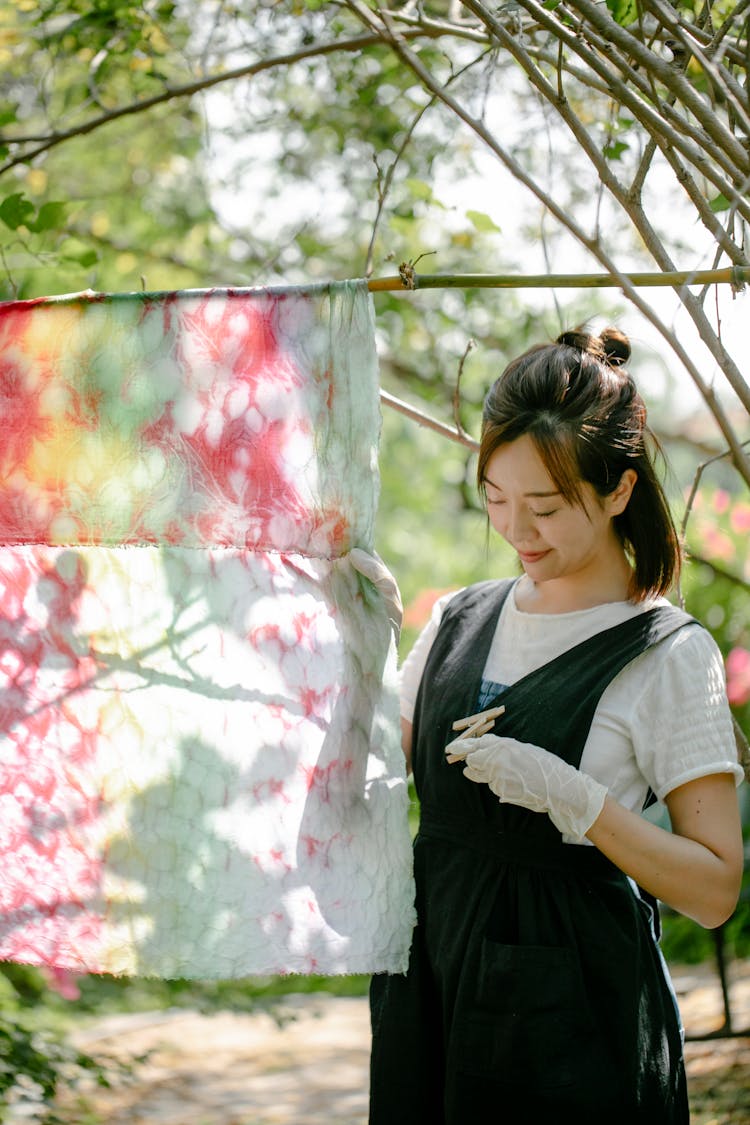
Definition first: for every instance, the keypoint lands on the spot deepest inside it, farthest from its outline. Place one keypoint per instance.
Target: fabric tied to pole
(200, 771)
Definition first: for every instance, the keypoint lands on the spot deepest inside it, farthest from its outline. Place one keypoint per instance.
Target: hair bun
(576, 338)
(616, 346)
(612, 346)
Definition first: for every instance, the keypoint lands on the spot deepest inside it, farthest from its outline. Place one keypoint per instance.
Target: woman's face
(553, 538)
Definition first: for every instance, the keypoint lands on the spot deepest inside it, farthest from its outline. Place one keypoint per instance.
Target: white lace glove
(374, 569)
(522, 774)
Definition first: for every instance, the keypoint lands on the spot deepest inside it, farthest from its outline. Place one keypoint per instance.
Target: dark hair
(583, 412)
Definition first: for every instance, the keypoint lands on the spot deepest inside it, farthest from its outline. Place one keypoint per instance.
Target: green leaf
(419, 189)
(719, 203)
(482, 222)
(15, 210)
(50, 216)
(623, 11)
(615, 149)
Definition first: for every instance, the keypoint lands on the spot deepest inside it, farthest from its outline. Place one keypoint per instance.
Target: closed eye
(543, 515)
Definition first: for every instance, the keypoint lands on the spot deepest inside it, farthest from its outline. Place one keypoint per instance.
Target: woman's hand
(696, 868)
(521, 774)
(372, 567)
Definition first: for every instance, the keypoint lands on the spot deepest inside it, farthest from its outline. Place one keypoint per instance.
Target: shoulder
(478, 594)
(682, 672)
(685, 665)
(690, 650)
(673, 698)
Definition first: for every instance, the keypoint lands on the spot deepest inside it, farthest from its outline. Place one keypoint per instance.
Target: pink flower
(718, 545)
(738, 676)
(721, 500)
(62, 982)
(739, 518)
(417, 613)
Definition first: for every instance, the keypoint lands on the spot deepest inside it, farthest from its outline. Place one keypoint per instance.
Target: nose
(521, 529)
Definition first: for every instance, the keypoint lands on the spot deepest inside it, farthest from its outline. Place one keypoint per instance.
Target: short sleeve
(413, 666)
(682, 725)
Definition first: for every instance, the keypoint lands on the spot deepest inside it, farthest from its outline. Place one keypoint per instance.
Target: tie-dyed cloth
(200, 773)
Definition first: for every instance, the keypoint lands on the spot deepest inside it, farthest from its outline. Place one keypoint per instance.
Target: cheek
(497, 519)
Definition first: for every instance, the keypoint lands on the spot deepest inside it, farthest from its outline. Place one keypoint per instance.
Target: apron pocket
(529, 1025)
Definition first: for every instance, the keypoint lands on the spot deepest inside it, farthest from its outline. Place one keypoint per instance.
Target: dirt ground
(238, 1069)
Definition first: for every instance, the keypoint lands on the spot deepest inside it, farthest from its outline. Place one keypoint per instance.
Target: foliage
(335, 146)
(36, 1061)
(35, 1067)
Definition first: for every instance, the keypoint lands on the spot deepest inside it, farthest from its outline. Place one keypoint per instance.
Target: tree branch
(693, 143)
(428, 422)
(170, 93)
(719, 76)
(719, 571)
(599, 18)
(385, 188)
(381, 20)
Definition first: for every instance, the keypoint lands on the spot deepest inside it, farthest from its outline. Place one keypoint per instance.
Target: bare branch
(718, 570)
(710, 220)
(457, 389)
(689, 510)
(390, 34)
(694, 144)
(385, 186)
(721, 78)
(598, 17)
(696, 484)
(640, 220)
(428, 422)
(170, 93)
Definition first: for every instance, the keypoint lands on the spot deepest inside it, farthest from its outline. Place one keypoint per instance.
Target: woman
(536, 992)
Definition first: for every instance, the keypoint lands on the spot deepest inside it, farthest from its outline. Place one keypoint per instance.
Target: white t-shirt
(662, 721)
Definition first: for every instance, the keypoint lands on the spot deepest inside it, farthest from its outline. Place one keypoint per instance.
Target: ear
(617, 501)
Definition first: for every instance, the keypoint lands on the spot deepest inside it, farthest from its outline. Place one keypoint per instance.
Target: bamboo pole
(408, 279)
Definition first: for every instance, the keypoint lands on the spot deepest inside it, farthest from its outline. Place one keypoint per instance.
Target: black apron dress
(535, 991)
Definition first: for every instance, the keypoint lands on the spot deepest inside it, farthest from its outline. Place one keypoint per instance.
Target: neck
(575, 592)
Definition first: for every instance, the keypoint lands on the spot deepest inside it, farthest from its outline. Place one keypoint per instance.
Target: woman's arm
(697, 867)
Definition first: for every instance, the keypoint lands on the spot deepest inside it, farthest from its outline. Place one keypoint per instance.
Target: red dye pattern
(234, 459)
(270, 787)
(20, 409)
(47, 860)
(245, 464)
(320, 778)
(319, 850)
(316, 704)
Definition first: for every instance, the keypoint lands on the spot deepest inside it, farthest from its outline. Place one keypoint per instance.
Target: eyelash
(536, 515)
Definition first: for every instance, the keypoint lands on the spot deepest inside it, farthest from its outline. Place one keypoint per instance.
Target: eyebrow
(538, 495)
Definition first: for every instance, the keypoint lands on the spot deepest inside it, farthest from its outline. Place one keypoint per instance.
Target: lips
(532, 556)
